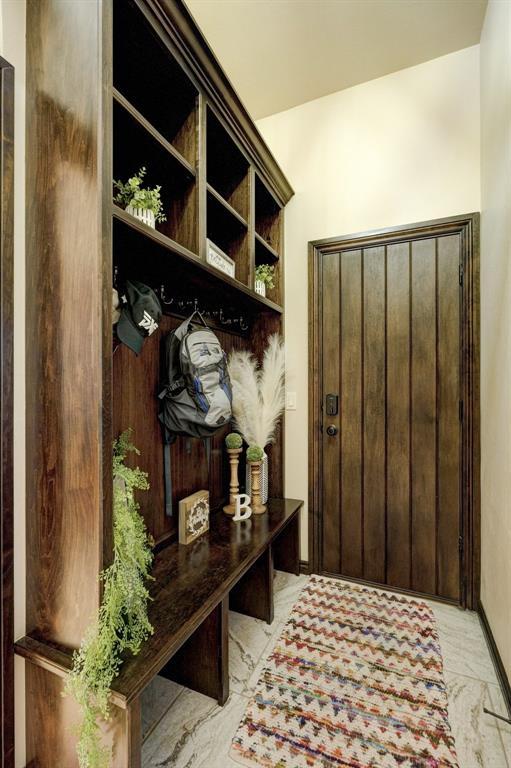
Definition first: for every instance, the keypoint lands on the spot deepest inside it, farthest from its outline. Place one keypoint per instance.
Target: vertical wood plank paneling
(422, 329)
(331, 364)
(352, 512)
(423, 415)
(374, 414)
(448, 528)
(398, 414)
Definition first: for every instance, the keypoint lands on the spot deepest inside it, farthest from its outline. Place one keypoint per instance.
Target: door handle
(331, 430)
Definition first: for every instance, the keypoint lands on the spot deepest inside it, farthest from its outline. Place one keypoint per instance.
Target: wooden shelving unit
(142, 88)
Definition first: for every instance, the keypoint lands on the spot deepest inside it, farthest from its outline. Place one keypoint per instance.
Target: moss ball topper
(233, 440)
(255, 453)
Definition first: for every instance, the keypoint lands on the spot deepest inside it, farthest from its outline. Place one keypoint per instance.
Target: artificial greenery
(122, 623)
(132, 193)
(233, 440)
(266, 274)
(255, 453)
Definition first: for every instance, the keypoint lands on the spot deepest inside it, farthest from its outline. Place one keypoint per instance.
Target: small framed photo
(193, 516)
(220, 260)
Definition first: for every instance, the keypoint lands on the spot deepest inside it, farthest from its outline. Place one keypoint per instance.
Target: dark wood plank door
(391, 454)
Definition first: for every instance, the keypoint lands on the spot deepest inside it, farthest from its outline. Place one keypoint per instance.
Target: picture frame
(193, 516)
(219, 260)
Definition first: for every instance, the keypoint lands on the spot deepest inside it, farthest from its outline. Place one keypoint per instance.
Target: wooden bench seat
(230, 566)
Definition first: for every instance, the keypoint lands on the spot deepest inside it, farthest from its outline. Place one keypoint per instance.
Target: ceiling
(280, 53)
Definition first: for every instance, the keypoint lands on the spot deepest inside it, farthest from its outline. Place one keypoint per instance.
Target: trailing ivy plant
(133, 193)
(122, 623)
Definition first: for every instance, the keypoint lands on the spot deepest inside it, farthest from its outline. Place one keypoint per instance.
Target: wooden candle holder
(234, 488)
(255, 472)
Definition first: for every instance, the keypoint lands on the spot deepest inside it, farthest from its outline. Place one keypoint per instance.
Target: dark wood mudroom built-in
(141, 88)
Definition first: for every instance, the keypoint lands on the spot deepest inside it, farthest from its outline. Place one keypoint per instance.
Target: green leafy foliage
(233, 440)
(255, 453)
(266, 273)
(132, 193)
(122, 623)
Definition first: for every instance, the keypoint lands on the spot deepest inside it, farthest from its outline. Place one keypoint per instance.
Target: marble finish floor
(184, 729)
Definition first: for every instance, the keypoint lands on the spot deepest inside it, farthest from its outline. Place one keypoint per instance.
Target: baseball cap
(140, 315)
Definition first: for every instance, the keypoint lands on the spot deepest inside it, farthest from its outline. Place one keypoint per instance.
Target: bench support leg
(253, 594)
(286, 548)
(202, 663)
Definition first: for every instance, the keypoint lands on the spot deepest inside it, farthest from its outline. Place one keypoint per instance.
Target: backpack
(195, 397)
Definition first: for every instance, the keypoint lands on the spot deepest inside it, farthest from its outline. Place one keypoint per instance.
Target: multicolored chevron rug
(355, 679)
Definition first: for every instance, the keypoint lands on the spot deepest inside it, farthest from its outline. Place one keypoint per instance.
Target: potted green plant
(264, 276)
(143, 203)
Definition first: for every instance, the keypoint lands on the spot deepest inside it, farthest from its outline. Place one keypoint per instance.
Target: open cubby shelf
(227, 169)
(152, 80)
(268, 219)
(146, 125)
(264, 253)
(135, 147)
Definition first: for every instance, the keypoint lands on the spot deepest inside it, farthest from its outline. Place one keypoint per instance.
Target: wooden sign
(193, 516)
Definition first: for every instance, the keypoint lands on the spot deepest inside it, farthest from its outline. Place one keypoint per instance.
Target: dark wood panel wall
(135, 405)
(6, 412)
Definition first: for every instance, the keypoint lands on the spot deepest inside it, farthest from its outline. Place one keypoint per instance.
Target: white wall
(396, 150)
(12, 48)
(496, 323)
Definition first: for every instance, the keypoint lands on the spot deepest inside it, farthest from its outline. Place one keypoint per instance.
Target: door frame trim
(467, 226)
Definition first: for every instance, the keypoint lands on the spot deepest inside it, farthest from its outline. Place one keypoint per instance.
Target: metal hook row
(182, 304)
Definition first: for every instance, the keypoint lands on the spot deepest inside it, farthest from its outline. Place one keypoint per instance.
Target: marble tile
(477, 736)
(498, 705)
(287, 588)
(463, 644)
(248, 639)
(195, 733)
(159, 695)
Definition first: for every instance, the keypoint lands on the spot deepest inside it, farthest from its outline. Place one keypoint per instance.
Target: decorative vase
(264, 479)
(234, 457)
(143, 214)
(255, 481)
(260, 287)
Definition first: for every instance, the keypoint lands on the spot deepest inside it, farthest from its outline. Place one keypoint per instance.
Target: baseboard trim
(304, 567)
(497, 660)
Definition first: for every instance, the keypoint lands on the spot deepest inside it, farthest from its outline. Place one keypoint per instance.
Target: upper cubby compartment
(227, 168)
(150, 79)
(268, 214)
(134, 147)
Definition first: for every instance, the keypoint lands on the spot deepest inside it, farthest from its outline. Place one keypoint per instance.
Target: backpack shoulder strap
(168, 440)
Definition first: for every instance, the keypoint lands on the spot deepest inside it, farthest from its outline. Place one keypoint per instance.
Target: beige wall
(12, 48)
(392, 151)
(496, 323)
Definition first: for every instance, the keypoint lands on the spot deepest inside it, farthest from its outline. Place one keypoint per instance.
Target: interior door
(391, 410)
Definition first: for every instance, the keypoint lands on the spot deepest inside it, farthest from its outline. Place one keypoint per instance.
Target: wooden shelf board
(173, 247)
(217, 196)
(271, 251)
(120, 99)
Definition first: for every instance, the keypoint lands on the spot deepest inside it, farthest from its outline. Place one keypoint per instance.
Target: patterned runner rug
(355, 679)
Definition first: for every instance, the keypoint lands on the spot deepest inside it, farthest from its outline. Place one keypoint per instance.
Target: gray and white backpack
(195, 397)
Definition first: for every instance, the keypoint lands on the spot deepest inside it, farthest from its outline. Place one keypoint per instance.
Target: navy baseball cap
(140, 315)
